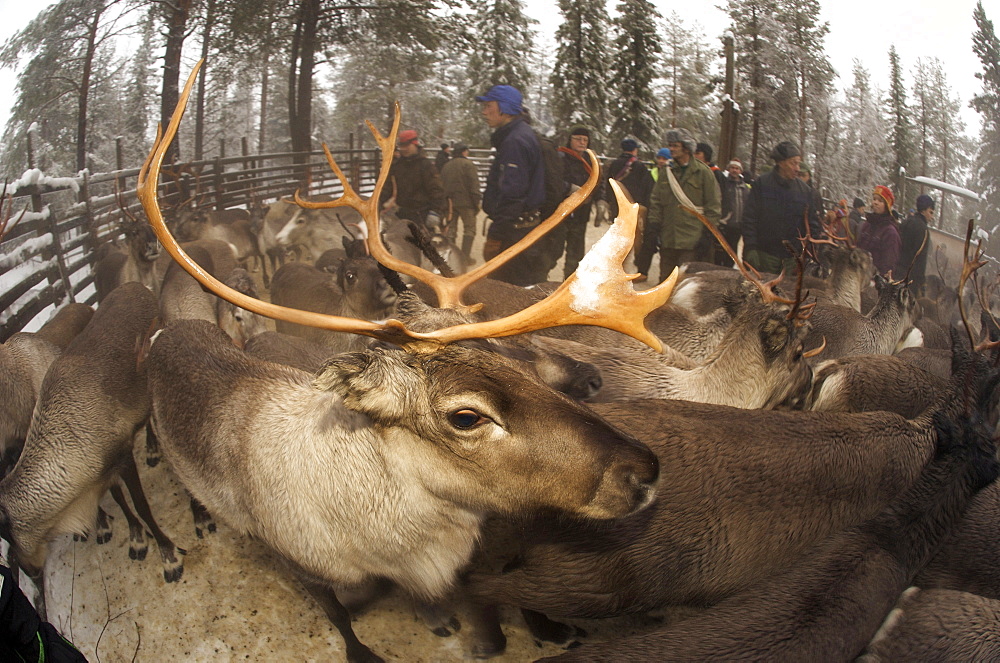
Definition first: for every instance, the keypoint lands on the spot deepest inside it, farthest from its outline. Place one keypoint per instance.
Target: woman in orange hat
(879, 234)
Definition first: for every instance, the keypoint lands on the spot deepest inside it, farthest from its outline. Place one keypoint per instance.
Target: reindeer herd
(810, 466)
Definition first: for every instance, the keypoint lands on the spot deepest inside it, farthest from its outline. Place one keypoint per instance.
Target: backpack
(555, 184)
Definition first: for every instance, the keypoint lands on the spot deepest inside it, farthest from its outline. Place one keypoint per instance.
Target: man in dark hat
(417, 184)
(515, 186)
(856, 217)
(441, 158)
(777, 209)
(461, 185)
(916, 244)
(577, 166)
(638, 182)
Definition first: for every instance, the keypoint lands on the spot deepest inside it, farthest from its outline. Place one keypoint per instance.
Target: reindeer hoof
(137, 551)
(103, 537)
(447, 630)
(152, 461)
(80, 537)
(172, 572)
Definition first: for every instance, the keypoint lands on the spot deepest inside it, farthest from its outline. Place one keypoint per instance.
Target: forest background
(288, 74)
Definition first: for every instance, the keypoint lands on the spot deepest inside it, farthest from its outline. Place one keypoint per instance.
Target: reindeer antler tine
(599, 293)
(971, 261)
(815, 351)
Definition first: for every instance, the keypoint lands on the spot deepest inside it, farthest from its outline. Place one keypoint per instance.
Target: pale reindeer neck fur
(333, 462)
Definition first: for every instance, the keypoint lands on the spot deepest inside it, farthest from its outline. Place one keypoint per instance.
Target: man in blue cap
(515, 186)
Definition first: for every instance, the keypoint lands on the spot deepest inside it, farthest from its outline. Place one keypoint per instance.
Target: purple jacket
(879, 236)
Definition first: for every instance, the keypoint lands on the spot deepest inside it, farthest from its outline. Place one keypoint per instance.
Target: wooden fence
(46, 258)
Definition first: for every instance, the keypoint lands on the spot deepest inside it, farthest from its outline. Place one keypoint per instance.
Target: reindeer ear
(379, 383)
(773, 337)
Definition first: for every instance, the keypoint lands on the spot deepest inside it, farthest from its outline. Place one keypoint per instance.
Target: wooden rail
(46, 259)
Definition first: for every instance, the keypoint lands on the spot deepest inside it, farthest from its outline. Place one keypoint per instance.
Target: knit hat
(407, 137)
(886, 195)
(508, 99)
(705, 149)
(629, 144)
(858, 203)
(663, 152)
(580, 130)
(735, 162)
(785, 150)
(924, 202)
(681, 136)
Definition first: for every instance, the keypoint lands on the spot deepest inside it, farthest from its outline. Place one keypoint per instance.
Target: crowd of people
(770, 215)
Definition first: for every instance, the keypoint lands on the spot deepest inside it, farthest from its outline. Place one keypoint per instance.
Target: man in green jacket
(680, 229)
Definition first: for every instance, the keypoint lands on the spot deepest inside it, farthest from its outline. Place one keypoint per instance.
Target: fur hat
(681, 136)
(785, 150)
(886, 194)
(580, 130)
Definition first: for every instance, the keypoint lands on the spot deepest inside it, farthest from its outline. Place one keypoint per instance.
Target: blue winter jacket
(516, 181)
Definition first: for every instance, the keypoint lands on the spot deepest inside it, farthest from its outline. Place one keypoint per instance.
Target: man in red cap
(416, 183)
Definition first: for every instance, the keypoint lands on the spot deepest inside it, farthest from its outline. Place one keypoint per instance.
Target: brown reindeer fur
(864, 383)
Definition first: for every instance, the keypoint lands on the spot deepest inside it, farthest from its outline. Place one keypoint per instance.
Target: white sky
(858, 29)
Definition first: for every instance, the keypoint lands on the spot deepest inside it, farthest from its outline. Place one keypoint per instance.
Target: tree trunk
(199, 112)
(176, 17)
(84, 95)
(301, 79)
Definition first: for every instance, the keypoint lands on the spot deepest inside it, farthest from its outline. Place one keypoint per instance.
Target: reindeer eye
(466, 419)
(350, 276)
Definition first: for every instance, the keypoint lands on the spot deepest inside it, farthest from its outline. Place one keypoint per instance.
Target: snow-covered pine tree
(986, 46)
(813, 73)
(580, 77)
(500, 50)
(634, 109)
(688, 83)
(902, 124)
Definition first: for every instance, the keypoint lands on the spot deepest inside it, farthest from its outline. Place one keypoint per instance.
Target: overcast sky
(861, 29)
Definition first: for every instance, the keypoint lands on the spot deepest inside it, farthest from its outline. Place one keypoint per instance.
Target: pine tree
(767, 75)
(860, 134)
(67, 38)
(899, 113)
(580, 77)
(986, 46)
(813, 73)
(633, 68)
(499, 55)
(687, 83)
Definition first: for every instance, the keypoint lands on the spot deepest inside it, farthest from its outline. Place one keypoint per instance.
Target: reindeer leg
(439, 619)
(152, 446)
(548, 630)
(173, 566)
(103, 526)
(203, 521)
(137, 546)
(337, 613)
(488, 639)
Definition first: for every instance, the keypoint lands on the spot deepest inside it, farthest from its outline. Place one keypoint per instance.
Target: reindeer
(24, 360)
(388, 459)
(92, 403)
(829, 604)
(938, 625)
(113, 266)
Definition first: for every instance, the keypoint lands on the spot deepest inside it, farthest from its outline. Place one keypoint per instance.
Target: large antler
(598, 294)
(972, 261)
(448, 288)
